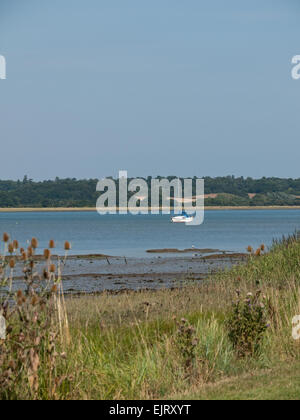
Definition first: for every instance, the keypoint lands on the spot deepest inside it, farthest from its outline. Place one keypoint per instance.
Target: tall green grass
(128, 347)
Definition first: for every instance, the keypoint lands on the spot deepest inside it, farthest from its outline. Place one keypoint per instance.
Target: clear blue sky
(181, 87)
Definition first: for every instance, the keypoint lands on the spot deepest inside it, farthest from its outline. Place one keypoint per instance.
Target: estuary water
(132, 236)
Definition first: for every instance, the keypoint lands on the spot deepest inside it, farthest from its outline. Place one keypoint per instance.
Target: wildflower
(183, 320)
(195, 342)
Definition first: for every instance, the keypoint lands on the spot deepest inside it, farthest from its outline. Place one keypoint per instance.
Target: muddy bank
(183, 251)
(90, 274)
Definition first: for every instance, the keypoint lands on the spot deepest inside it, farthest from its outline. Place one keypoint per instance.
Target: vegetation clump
(247, 323)
(31, 348)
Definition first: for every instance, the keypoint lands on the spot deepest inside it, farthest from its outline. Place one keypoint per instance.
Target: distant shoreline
(92, 209)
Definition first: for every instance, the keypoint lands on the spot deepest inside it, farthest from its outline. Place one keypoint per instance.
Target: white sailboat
(183, 218)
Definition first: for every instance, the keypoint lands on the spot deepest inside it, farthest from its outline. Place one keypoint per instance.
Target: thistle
(34, 243)
(67, 246)
(47, 254)
(5, 237)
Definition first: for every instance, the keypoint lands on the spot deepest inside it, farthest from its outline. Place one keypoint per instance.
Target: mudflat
(92, 274)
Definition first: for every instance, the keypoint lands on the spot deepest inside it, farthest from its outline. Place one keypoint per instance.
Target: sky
(160, 87)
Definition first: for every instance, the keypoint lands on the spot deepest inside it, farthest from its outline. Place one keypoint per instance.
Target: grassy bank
(128, 346)
(176, 343)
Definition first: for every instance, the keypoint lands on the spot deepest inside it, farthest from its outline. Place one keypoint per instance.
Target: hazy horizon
(155, 88)
(137, 176)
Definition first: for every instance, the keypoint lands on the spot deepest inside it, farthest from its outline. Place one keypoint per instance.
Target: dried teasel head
(34, 243)
(5, 237)
(262, 247)
(47, 254)
(67, 246)
(250, 249)
(51, 244)
(46, 274)
(258, 252)
(12, 263)
(24, 256)
(34, 300)
(20, 297)
(52, 268)
(54, 288)
(16, 244)
(19, 294)
(11, 248)
(30, 251)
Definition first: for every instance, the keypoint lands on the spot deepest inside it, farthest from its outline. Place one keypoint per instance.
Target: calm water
(126, 235)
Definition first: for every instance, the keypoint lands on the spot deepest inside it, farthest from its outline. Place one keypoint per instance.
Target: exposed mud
(95, 273)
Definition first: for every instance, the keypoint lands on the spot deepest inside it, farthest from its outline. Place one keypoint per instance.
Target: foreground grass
(126, 346)
(281, 383)
(129, 346)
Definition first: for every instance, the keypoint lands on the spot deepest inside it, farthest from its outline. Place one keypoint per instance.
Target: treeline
(224, 191)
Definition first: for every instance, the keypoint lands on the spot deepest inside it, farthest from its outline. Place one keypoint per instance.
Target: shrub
(186, 341)
(247, 323)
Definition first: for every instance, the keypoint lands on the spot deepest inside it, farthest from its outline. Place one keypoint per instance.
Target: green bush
(247, 323)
